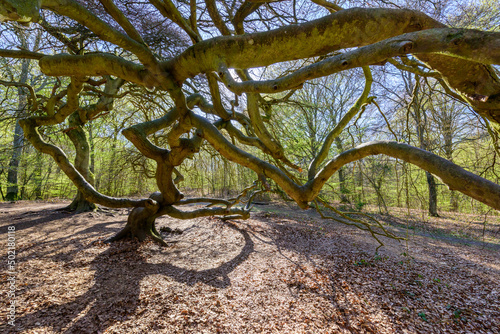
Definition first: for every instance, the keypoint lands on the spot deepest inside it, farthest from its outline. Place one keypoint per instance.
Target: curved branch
(20, 84)
(453, 175)
(344, 29)
(331, 7)
(122, 20)
(353, 111)
(271, 144)
(71, 105)
(414, 69)
(96, 64)
(216, 18)
(143, 144)
(235, 154)
(21, 54)
(169, 10)
(239, 213)
(105, 102)
(30, 131)
(79, 13)
(245, 9)
(459, 55)
(439, 40)
(250, 141)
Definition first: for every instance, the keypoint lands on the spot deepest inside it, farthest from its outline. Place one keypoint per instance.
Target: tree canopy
(217, 72)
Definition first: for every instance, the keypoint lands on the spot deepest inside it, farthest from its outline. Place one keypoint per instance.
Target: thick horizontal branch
(344, 29)
(96, 64)
(451, 174)
(459, 55)
(21, 54)
(460, 43)
(203, 200)
(237, 213)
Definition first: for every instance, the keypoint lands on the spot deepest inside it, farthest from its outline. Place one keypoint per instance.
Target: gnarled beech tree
(342, 39)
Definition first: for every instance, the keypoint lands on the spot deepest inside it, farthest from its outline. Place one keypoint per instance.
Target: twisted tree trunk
(141, 223)
(82, 163)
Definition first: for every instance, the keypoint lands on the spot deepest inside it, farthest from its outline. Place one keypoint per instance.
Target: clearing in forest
(281, 271)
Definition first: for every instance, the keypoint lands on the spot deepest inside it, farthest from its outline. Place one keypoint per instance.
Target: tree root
(79, 205)
(141, 225)
(126, 233)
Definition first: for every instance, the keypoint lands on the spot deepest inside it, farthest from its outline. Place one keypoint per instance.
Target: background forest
(403, 106)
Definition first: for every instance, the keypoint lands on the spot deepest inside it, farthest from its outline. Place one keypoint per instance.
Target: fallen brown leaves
(269, 274)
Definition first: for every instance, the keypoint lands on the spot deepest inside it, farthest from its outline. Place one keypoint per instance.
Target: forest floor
(281, 271)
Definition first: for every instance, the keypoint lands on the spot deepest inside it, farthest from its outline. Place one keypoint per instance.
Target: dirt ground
(281, 271)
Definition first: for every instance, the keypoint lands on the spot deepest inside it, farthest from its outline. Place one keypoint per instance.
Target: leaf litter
(273, 273)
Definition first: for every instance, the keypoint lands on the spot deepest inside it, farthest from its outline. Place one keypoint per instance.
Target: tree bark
(17, 149)
(141, 223)
(38, 176)
(343, 188)
(431, 182)
(82, 163)
(17, 143)
(448, 150)
(421, 120)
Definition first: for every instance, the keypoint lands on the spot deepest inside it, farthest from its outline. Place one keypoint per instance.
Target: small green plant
(423, 316)
(409, 293)
(378, 257)
(362, 262)
(457, 313)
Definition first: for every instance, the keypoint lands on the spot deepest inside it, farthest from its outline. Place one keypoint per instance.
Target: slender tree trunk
(431, 181)
(92, 151)
(377, 185)
(448, 149)
(421, 125)
(17, 143)
(1, 185)
(431, 184)
(38, 175)
(12, 174)
(343, 188)
(360, 195)
(111, 169)
(398, 188)
(226, 180)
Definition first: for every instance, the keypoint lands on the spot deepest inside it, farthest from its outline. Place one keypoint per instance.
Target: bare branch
(122, 20)
(34, 103)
